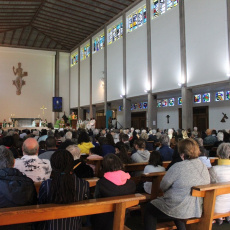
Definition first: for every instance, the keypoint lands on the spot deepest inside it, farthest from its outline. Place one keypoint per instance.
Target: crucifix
(43, 108)
(168, 118)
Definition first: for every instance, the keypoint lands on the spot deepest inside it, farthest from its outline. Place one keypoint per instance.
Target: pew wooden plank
(33, 213)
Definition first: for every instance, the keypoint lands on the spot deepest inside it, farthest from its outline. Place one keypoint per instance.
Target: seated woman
(114, 183)
(221, 173)
(84, 142)
(177, 202)
(122, 153)
(155, 165)
(63, 187)
(81, 169)
(141, 155)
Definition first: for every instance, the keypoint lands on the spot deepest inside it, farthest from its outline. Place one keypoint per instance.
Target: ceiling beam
(31, 30)
(19, 40)
(12, 37)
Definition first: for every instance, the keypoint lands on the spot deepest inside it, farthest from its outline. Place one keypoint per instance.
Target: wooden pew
(209, 193)
(34, 213)
(92, 182)
(98, 166)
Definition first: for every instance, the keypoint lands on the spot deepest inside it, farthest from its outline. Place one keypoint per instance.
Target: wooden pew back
(34, 213)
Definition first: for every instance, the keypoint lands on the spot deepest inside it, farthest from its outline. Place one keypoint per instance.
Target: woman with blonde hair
(177, 203)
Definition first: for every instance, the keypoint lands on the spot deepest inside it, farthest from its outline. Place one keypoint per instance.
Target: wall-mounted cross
(43, 108)
(168, 118)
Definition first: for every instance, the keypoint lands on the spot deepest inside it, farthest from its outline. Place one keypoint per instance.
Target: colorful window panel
(96, 45)
(120, 108)
(197, 98)
(130, 23)
(170, 4)
(179, 100)
(135, 20)
(144, 15)
(162, 6)
(140, 105)
(131, 106)
(102, 41)
(171, 101)
(145, 105)
(228, 95)
(206, 97)
(219, 96)
(110, 36)
(140, 17)
(175, 2)
(164, 103)
(155, 7)
(158, 103)
(135, 106)
(85, 52)
(115, 33)
(74, 59)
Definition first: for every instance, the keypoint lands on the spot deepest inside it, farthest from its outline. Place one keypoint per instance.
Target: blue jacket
(166, 153)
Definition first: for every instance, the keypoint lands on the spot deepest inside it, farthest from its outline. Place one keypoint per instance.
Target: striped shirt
(82, 192)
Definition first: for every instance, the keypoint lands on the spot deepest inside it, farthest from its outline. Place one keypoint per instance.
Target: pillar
(91, 81)
(126, 113)
(80, 111)
(187, 108)
(56, 84)
(228, 24)
(152, 111)
(105, 71)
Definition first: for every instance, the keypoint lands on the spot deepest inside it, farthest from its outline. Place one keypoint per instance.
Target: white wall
(84, 80)
(115, 70)
(165, 46)
(98, 73)
(173, 119)
(136, 47)
(206, 41)
(39, 87)
(64, 80)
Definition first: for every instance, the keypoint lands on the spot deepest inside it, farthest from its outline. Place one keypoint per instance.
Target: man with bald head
(37, 169)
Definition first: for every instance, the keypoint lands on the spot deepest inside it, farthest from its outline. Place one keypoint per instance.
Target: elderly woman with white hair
(221, 173)
(81, 169)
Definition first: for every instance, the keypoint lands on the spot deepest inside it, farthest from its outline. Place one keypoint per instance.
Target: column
(187, 105)
(105, 71)
(91, 81)
(93, 111)
(80, 111)
(56, 81)
(187, 108)
(152, 108)
(126, 113)
(126, 102)
(228, 23)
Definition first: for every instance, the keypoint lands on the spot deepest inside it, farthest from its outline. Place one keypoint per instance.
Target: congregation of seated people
(58, 159)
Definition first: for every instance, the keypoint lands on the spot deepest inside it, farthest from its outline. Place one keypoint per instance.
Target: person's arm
(213, 176)
(42, 195)
(169, 178)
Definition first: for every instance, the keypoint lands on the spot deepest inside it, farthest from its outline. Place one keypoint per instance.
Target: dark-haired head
(83, 137)
(62, 185)
(112, 163)
(155, 159)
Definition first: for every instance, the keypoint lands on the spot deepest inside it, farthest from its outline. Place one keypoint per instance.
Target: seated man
(35, 168)
(165, 151)
(16, 189)
(210, 139)
(50, 147)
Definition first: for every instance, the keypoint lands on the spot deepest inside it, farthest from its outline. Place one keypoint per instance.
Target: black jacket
(16, 189)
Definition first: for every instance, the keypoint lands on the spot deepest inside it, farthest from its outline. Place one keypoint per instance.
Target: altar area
(26, 122)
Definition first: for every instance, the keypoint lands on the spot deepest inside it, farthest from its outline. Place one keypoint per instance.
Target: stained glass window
(140, 18)
(120, 108)
(140, 105)
(158, 103)
(169, 4)
(74, 59)
(102, 41)
(145, 105)
(175, 2)
(171, 101)
(155, 7)
(115, 33)
(228, 95)
(164, 103)
(144, 15)
(118, 31)
(130, 22)
(197, 98)
(121, 25)
(179, 100)
(110, 36)
(135, 20)
(162, 6)
(206, 97)
(219, 96)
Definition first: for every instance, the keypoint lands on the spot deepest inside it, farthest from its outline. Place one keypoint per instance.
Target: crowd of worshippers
(55, 158)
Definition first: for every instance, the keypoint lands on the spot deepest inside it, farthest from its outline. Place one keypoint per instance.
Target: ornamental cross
(168, 118)
(43, 108)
